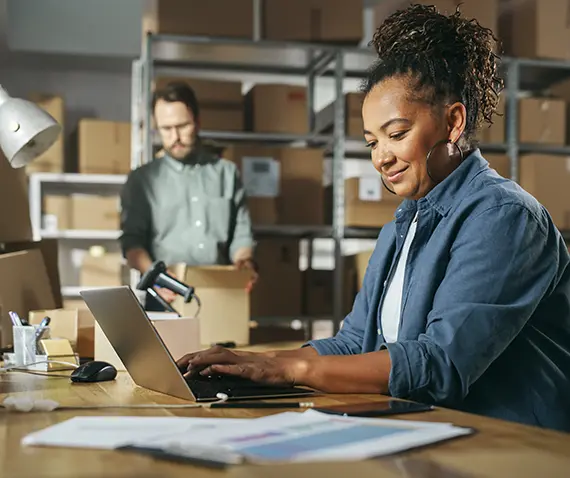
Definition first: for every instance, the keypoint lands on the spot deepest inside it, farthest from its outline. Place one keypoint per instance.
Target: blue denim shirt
(485, 322)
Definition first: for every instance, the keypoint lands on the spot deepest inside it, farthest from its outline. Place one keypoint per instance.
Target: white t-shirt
(392, 305)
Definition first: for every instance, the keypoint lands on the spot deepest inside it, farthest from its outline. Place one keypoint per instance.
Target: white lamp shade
(26, 130)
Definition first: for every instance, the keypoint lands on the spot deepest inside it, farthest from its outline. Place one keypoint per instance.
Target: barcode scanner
(158, 275)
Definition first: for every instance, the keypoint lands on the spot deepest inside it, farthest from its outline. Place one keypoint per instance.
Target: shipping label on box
(261, 176)
(369, 189)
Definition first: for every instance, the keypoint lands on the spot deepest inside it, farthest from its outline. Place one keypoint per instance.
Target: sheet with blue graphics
(310, 436)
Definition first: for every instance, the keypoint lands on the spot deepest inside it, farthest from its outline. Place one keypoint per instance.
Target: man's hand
(166, 294)
(258, 367)
(251, 265)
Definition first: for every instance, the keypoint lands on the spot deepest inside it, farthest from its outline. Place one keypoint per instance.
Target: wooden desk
(499, 449)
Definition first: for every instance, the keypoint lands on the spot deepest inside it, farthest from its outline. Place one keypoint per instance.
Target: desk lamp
(26, 130)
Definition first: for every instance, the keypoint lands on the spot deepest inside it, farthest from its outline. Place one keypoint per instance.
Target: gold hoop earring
(431, 150)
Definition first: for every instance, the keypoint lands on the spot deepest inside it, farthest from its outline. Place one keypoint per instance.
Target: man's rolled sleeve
(242, 236)
(502, 263)
(135, 215)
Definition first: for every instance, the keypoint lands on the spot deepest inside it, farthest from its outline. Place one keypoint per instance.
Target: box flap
(216, 277)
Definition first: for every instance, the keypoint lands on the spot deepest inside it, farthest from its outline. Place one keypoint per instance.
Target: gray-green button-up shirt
(186, 213)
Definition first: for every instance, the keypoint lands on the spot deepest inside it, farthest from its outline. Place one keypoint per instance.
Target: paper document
(114, 432)
(310, 436)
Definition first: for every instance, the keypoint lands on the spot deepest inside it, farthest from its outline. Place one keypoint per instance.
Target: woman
(466, 299)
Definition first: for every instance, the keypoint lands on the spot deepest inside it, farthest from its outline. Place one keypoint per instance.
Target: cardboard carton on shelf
(52, 160)
(542, 120)
(91, 212)
(85, 346)
(335, 21)
(274, 108)
(102, 269)
(221, 103)
(104, 147)
(535, 28)
(283, 185)
(353, 116)
(547, 178)
(222, 18)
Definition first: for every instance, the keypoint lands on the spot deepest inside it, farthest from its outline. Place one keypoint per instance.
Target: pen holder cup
(24, 344)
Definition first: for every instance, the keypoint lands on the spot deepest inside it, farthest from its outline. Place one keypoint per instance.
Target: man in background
(189, 205)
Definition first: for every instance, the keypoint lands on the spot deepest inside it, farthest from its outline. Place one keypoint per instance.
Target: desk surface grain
(498, 449)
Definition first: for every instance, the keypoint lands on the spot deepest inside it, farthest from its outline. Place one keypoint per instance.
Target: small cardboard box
(90, 212)
(361, 261)
(102, 270)
(104, 147)
(64, 323)
(272, 108)
(85, 327)
(225, 311)
(367, 203)
(220, 18)
(53, 160)
(535, 28)
(337, 21)
(180, 336)
(547, 178)
(542, 120)
(353, 116)
(57, 213)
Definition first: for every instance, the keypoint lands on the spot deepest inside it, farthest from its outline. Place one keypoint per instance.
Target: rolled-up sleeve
(502, 263)
(242, 234)
(135, 215)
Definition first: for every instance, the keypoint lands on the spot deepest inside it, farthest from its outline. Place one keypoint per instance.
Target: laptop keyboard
(235, 387)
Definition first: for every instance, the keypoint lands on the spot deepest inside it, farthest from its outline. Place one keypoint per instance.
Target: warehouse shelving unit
(170, 55)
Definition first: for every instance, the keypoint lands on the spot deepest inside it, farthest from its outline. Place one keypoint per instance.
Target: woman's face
(400, 131)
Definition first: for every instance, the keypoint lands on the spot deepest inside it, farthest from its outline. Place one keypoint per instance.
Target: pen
(262, 405)
(15, 318)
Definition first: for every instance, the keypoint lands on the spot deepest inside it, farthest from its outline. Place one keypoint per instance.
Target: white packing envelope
(110, 432)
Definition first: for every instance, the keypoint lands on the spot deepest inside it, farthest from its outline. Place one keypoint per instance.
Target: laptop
(150, 364)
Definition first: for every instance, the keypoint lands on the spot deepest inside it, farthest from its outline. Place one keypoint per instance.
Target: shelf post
(147, 98)
(338, 191)
(512, 111)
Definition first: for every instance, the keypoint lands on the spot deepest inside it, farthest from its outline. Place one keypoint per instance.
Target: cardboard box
(24, 286)
(495, 133)
(283, 185)
(361, 263)
(178, 334)
(85, 346)
(500, 163)
(486, 12)
(338, 21)
(15, 225)
(49, 251)
(353, 116)
(225, 312)
(542, 120)
(319, 290)
(53, 160)
(277, 109)
(278, 291)
(64, 323)
(92, 212)
(547, 178)
(57, 213)
(535, 28)
(221, 103)
(220, 18)
(104, 147)
(107, 270)
(367, 203)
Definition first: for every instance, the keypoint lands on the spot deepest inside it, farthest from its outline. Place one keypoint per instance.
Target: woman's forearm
(363, 373)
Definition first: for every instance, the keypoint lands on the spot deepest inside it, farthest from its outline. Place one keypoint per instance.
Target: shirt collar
(450, 190)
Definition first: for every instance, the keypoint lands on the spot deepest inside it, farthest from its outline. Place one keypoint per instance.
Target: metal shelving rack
(180, 55)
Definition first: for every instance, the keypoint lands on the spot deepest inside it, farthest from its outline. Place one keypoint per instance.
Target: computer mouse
(96, 371)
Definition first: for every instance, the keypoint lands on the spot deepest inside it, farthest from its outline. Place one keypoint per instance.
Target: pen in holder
(24, 344)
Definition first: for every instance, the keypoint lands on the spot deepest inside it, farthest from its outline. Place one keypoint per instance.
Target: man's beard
(180, 153)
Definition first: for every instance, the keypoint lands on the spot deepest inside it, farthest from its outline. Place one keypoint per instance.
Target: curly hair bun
(450, 57)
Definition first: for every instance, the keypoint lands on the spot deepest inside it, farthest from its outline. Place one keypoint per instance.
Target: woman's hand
(258, 367)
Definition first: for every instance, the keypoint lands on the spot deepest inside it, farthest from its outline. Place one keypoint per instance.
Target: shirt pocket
(219, 218)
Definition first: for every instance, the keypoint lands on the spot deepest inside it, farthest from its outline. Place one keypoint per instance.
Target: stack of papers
(281, 438)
